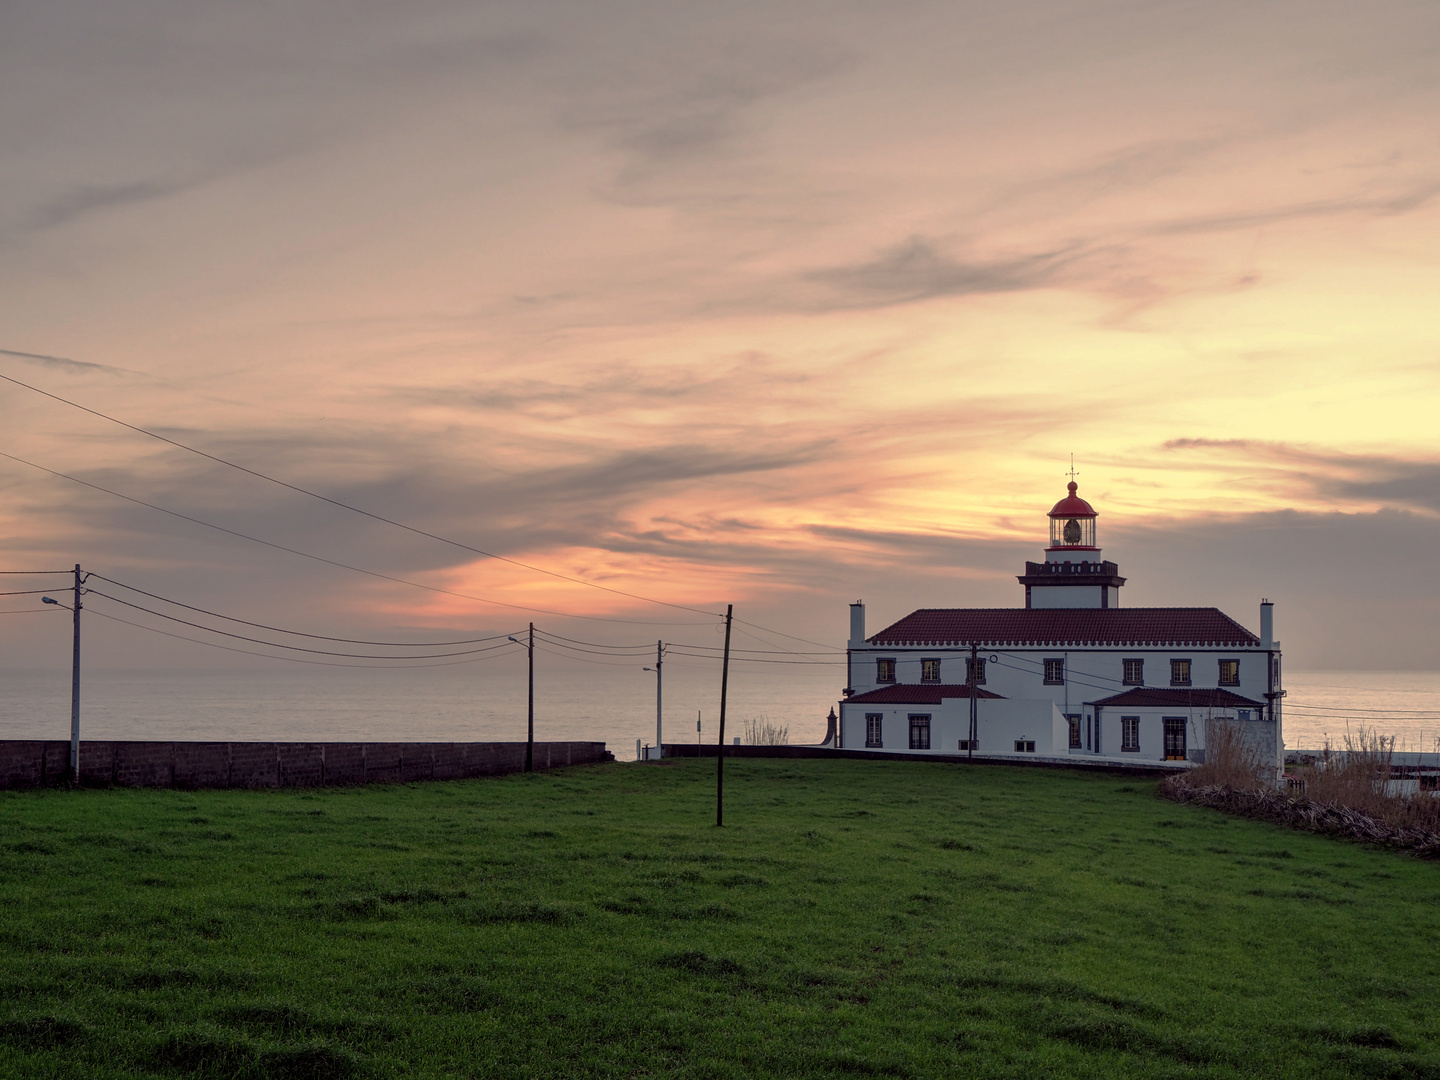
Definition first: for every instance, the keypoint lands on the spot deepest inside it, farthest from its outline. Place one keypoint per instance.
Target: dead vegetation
(1355, 792)
(760, 731)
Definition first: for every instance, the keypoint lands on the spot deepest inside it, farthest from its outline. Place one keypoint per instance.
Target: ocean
(609, 702)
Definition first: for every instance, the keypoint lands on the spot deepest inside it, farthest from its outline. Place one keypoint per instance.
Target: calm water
(611, 703)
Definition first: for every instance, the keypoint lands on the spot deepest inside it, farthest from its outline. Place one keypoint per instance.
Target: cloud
(1331, 475)
(1415, 196)
(916, 269)
(90, 198)
(60, 363)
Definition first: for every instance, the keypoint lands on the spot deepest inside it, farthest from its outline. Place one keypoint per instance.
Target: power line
(294, 648)
(270, 656)
(756, 659)
(332, 562)
(299, 633)
(38, 573)
(348, 506)
(792, 637)
(26, 592)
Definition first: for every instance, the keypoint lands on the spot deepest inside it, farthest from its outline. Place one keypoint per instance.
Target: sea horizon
(614, 704)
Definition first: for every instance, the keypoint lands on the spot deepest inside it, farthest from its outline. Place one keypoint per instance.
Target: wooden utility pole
(530, 732)
(75, 686)
(659, 661)
(720, 754)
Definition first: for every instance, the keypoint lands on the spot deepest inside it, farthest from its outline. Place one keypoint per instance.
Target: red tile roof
(989, 627)
(1177, 698)
(918, 694)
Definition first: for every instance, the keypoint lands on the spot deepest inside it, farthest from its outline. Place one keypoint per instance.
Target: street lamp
(659, 663)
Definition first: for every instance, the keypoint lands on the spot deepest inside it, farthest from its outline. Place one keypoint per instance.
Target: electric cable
(345, 505)
(299, 633)
(27, 592)
(758, 660)
(334, 562)
(37, 573)
(294, 648)
(271, 656)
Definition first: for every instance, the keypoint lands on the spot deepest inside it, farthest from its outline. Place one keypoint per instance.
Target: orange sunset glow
(772, 306)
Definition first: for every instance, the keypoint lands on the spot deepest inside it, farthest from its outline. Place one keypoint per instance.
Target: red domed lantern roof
(1072, 506)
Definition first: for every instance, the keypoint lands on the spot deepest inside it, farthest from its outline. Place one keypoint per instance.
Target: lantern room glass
(1072, 532)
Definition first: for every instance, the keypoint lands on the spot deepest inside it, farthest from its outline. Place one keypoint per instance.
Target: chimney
(1267, 624)
(857, 623)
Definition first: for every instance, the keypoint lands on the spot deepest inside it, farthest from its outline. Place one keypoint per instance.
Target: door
(1174, 738)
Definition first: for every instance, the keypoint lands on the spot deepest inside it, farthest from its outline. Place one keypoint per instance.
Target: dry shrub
(1362, 778)
(1228, 761)
(1351, 792)
(759, 731)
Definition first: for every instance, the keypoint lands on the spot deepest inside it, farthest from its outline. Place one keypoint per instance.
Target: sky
(774, 305)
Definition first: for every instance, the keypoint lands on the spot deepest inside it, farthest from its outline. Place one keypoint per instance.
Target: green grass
(853, 918)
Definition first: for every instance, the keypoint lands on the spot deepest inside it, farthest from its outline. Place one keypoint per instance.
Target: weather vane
(1073, 473)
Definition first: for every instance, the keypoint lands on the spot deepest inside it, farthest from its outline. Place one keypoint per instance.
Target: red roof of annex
(1066, 626)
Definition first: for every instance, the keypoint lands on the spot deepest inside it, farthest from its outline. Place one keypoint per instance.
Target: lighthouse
(1073, 575)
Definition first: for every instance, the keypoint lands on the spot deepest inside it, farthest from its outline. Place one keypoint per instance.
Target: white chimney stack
(1267, 624)
(857, 623)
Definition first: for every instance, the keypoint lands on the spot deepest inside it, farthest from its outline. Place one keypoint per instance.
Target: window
(1429, 782)
(885, 670)
(967, 744)
(1244, 714)
(1130, 733)
(872, 728)
(1179, 672)
(919, 731)
(930, 670)
(1024, 746)
(1229, 672)
(1074, 719)
(1134, 672)
(975, 668)
(1054, 672)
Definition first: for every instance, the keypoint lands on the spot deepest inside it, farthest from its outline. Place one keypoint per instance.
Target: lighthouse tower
(1073, 574)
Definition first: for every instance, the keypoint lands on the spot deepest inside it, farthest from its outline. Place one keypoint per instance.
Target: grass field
(853, 918)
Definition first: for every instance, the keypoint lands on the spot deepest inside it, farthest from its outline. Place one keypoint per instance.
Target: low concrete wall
(275, 764)
(1024, 760)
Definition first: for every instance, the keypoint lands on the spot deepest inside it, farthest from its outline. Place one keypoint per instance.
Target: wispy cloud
(1327, 475)
(916, 269)
(60, 363)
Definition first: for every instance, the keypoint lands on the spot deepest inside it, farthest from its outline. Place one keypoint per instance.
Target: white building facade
(1072, 674)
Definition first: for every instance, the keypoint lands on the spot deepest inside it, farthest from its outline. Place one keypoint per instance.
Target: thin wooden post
(75, 687)
(720, 754)
(530, 730)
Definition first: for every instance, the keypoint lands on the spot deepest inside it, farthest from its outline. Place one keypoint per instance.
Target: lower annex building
(1071, 674)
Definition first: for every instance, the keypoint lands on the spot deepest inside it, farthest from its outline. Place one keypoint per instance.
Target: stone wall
(275, 764)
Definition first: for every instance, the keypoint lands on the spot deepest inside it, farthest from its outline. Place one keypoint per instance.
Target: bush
(1229, 762)
(759, 731)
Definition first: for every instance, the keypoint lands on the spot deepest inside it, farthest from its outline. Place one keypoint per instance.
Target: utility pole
(971, 679)
(659, 663)
(530, 708)
(530, 730)
(75, 686)
(720, 754)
